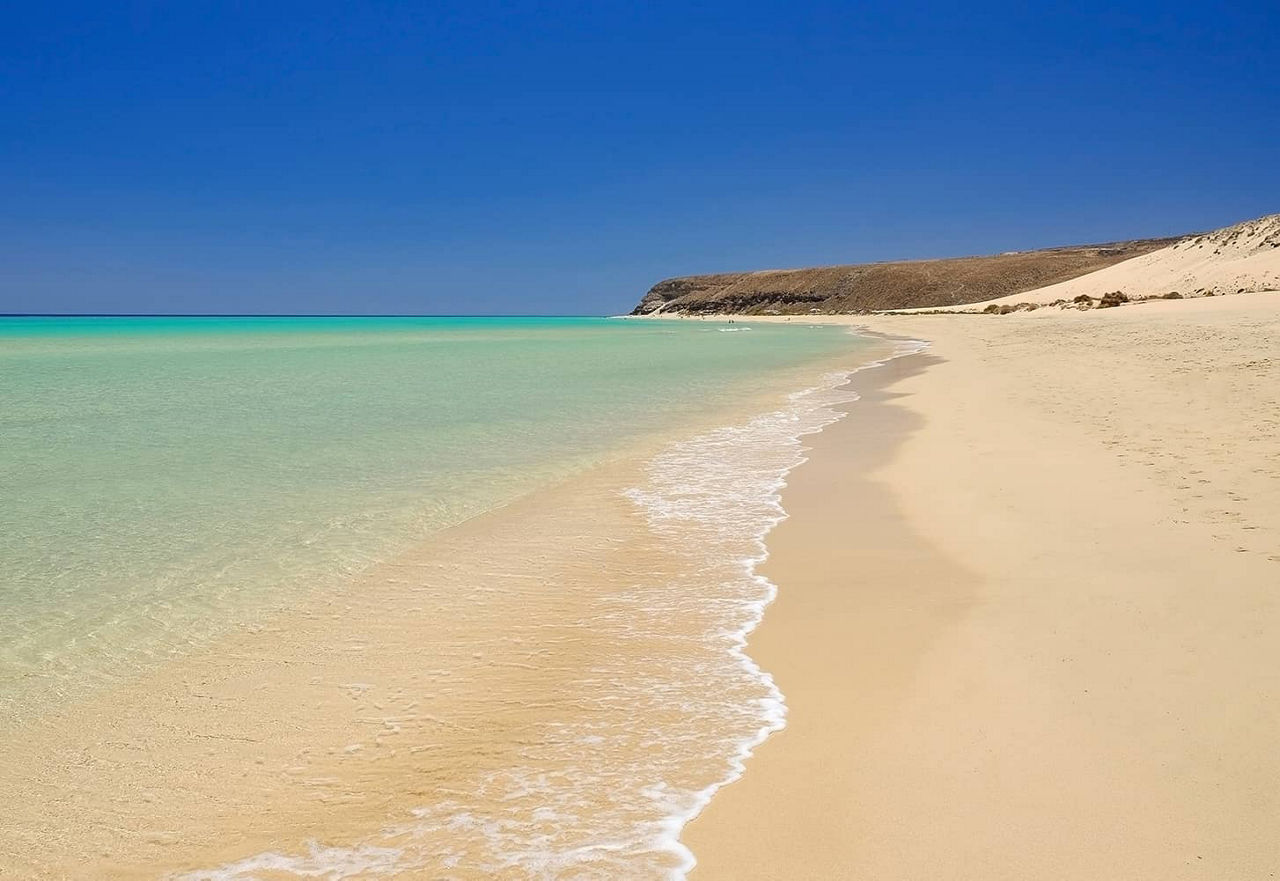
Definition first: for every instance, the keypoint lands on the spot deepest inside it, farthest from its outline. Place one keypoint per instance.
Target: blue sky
(482, 157)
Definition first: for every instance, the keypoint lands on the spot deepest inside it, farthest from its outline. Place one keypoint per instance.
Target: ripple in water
(666, 720)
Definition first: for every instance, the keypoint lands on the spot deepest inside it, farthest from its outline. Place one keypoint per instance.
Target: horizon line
(292, 315)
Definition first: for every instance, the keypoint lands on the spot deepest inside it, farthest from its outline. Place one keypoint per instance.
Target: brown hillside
(871, 286)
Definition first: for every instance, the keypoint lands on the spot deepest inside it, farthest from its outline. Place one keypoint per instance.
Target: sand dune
(1243, 258)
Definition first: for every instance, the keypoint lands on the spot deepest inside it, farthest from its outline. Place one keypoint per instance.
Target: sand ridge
(1244, 258)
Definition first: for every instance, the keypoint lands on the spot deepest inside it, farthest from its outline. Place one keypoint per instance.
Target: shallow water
(160, 476)
(550, 690)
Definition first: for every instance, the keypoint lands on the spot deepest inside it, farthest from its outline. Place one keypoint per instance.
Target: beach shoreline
(1023, 627)
(459, 703)
(1026, 624)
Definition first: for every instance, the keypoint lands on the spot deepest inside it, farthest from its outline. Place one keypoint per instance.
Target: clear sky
(560, 157)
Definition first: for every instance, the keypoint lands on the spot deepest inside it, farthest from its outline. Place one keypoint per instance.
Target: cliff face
(872, 286)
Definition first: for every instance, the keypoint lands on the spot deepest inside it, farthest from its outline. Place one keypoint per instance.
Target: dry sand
(1028, 621)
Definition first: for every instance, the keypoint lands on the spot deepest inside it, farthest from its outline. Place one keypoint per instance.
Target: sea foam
(720, 495)
(607, 794)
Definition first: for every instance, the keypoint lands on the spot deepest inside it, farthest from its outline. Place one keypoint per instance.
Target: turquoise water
(162, 478)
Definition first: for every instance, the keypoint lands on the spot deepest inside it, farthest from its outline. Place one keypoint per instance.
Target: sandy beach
(1027, 618)
(1025, 626)
(503, 441)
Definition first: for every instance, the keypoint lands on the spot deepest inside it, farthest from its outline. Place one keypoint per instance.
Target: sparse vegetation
(1006, 308)
(869, 287)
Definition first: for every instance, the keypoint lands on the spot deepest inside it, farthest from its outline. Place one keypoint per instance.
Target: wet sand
(1028, 624)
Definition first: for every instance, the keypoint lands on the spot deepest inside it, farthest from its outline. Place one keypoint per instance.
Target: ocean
(175, 486)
